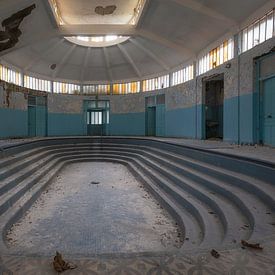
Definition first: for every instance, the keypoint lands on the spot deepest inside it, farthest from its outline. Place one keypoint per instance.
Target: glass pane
(92, 104)
(88, 118)
(96, 118)
(250, 38)
(99, 118)
(93, 118)
(107, 117)
(256, 34)
(244, 46)
(262, 30)
(101, 104)
(231, 49)
(269, 26)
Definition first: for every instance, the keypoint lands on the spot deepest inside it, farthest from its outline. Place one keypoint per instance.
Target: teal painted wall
(199, 118)
(130, 124)
(178, 122)
(65, 124)
(181, 122)
(246, 118)
(230, 120)
(13, 123)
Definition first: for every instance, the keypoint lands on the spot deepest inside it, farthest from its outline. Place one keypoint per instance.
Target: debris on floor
(60, 265)
(215, 253)
(95, 182)
(251, 245)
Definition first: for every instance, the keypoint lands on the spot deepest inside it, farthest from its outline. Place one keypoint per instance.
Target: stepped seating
(217, 200)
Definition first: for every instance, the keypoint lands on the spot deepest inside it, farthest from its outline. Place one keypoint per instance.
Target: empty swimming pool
(95, 208)
(215, 199)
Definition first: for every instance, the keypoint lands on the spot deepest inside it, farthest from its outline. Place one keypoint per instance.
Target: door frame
(258, 100)
(158, 102)
(147, 121)
(29, 119)
(103, 113)
(263, 112)
(203, 109)
(106, 112)
(36, 105)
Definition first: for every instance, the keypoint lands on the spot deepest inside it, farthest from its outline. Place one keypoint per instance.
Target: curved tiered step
(214, 203)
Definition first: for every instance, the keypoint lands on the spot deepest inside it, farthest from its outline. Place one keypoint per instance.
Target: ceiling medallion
(53, 66)
(105, 11)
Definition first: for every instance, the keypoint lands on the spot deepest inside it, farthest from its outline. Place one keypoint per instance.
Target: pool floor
(95, 208)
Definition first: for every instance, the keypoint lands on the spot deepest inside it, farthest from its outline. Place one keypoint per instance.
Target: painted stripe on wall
(131, 124)
(231, 119)
(181, 123)
(65, 124)
(246, 118)
(13, 123)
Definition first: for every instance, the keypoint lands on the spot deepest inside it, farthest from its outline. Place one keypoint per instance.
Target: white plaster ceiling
(83, 11)
(169, 33)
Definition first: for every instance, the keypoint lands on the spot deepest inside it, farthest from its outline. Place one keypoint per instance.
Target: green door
(96, 122)
(151, 121)
(41, 121)
(32, 121)
(269, 112)
(37, 116)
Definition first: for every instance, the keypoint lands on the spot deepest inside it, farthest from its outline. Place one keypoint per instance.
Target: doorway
(268, 116)
(213, 107)
(97, 117)
(37, 116)
(151, 121)
(264, 100)
(155, 115)
(95, 123)
(31, 121)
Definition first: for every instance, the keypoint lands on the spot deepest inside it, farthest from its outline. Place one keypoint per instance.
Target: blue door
(269, 111)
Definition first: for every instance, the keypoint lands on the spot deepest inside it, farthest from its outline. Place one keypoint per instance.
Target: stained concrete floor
(258, 152)
(231, 262)
(94, 208)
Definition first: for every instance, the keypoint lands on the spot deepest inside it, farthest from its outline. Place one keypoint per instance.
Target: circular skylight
(97, 41)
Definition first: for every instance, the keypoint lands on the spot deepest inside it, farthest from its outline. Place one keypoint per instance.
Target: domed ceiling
(92, 41)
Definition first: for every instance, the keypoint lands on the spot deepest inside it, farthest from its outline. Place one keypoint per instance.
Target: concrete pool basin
(215, 199)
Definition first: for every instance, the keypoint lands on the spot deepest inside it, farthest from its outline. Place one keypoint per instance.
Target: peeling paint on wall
(12, 100)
